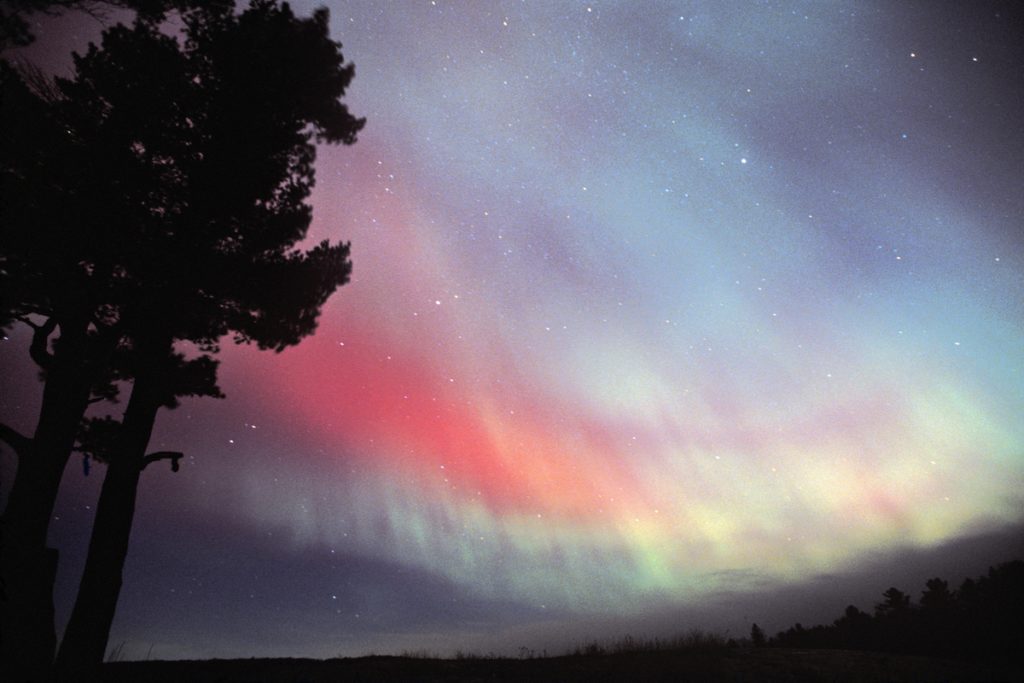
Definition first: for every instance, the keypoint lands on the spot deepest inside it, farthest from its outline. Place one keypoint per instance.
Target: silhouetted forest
(983, 618)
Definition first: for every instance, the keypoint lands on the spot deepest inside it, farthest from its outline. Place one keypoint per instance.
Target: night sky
(664, 315)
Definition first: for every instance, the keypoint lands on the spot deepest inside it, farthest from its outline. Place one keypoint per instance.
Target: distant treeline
(984, 617)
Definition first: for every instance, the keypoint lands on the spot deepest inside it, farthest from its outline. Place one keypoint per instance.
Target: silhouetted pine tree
(161, 200)
(757, 636)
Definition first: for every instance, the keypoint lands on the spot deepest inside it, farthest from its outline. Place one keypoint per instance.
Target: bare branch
(42, 85)
(17, 441)
(173, 456)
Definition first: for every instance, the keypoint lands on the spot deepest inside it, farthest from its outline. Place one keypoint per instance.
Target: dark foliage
(981, 619)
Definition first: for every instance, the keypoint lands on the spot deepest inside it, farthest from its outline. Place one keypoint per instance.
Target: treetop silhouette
(936, 595)
(896, 601)
(981, 619)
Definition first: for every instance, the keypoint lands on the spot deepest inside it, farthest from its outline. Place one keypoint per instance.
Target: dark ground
(734, 665)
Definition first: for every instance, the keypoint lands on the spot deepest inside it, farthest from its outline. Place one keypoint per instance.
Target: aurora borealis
(650, 301)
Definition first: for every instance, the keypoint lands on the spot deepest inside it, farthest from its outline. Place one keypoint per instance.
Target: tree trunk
(85, 638)
(28, 567)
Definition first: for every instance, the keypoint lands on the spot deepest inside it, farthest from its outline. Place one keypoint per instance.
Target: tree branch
(173, 456)
(17, 441)
(40, 341)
